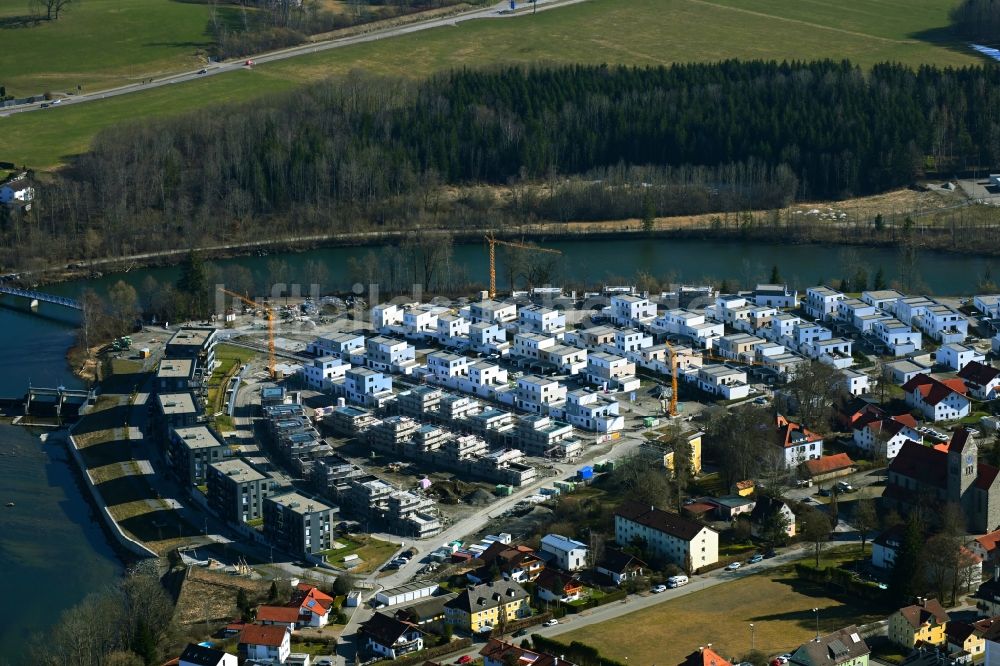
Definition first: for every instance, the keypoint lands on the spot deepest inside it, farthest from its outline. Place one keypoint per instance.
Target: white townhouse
(593, 411)
(388, 354)
(635, 311)
(955, 356)
(721, 380)
(386, 317)
(850, 311)
(489, 338)
(883, 299)
(908, 308)
(899, 338)
(775, 295)
(538, 319)
(532, 345)
(738, 346)
(943, 323)
(611, 371)
(367, 387)
(492, 312)
(323, 371)
(690, 325)
(988, 304)
(807, 333)
(568, 554)
(854, 382)
(452, 330)
(445, 365)
(569, 360)
(684, 542)
(821, 302)
(835, 352)
(629, 340)
(780, 327)
(341, 345)
(538, 394)
(797, 442)
(730, 309)
(420, 321)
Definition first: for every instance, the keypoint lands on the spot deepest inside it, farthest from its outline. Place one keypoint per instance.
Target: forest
(365, 153)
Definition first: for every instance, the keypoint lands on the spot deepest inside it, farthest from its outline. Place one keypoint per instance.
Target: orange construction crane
(672, 411)
(493, 241)
(271, 356)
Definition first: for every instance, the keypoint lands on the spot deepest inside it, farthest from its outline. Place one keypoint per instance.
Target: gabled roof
(385, 629)
(887, 426)
(285, 614)
(486, 596)
(979, 373)
(828, 464)
(705, 656)
(661, 521)
(618, 561)
(260, 634)
(315, 601)
(959, 632)
(930, 611)
(201, 655)
(500, 651)
(922, 463)
(836, 648)
(794, 434)
(931, 390)
(557, 581)
(989, 542)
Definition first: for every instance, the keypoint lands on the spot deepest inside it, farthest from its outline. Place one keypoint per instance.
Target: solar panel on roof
(312, 602)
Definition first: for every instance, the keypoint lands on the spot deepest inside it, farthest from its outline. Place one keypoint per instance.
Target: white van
(677, 581)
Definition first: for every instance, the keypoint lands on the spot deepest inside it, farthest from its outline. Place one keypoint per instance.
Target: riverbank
(873, 221)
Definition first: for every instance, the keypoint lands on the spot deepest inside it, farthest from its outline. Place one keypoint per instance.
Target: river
(52, 553)
(595, 261)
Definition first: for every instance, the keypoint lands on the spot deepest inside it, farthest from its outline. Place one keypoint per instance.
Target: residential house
(955, 356)
(314, 605)
(987, 548)
(764, 513)
(611, 372)
(190, 452)
(480, 608)
(952, 475)
(323, 371)
(492, 312)
(853, 382)
(517, 563)
(268, 643)
(738, 346)
(567, 554)
(901, 371)
(539, 319)
(283, 616)
(705, 656)
(390, 638)
(339, 345)
(724, 381)
(797, 442)
(883, 299)
(620, 566)
(821, 302)
(983, 381)
(689, 325)
(453, 330)
(680, 540)
(538, 394)
(883, 437)
(200, 655)
(942, 323)
(390, 355)
(500, 653)
(532, 345)
(836, 352)
(844, 647)
(897, 337)
(693, 440)
(921, 623)
(489, 338)
(968, 637)
(428, 614)
(938, 400)
(553, 585)
(633, 311)
(17, 192)
(775, 295)
(593, 411)
(367, 387)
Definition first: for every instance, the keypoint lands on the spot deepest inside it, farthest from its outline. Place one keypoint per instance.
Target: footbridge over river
(36, 297)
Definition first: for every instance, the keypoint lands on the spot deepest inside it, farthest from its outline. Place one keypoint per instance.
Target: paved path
(500, 10)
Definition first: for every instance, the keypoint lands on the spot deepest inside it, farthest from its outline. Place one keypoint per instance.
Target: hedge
(839, 579)
(616, 595)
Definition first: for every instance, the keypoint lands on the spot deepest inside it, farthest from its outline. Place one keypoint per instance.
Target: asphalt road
(500, 10)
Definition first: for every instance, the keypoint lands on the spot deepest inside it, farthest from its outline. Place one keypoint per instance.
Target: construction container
(504, 490)
(585, 473)
(550, 492)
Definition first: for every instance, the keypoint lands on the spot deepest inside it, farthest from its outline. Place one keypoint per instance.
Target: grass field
(373, 552)
(721, 615)
(228, 358)
(100, 43)
(636, 32)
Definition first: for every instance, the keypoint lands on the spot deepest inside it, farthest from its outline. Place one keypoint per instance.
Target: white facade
(900, 338)
(274, 653)
(632, 310)
(702, 549)
(821, 302)
(532, 345)
(538, 394)
(943, 323)
(835, 352)
(538, 319)
(688, 324)
(593, 411)
(855, 383)
(988, 304)
(445, 364)
(884, 438)
(729, 383)
(955, 356)
(388, 354)
(17, 192)
(492, 312)
(323, 372)
(569, 555)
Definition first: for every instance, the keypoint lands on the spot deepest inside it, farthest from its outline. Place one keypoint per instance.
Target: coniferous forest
(364, 152)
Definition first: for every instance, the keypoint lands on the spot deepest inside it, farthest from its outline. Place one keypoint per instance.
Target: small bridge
(41, 296)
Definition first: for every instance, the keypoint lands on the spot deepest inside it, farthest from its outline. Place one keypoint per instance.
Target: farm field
(638, 32)
(721, 615)
(99, 44)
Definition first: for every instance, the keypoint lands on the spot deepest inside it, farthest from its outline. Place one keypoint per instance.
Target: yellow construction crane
(672, 411)
(494, 241)
(271, 356)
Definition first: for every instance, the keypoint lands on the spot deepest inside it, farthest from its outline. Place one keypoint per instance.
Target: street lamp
(752, 637)
(816, 611)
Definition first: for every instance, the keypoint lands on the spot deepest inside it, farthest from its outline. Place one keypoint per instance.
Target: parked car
(755, 559)
(658, 588)
(551, 622)
(677, 581)
(734, 566)
(464, 659)
(520, 632)
(203, 71)
(844, 487)
(824, 492)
